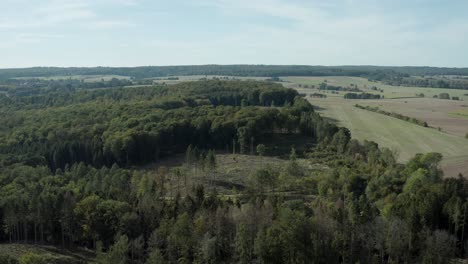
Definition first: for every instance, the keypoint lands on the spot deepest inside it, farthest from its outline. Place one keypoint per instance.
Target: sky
(191, 32)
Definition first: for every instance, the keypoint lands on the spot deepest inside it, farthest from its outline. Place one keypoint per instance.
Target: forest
(22, 87)
(371, 72)
(71, 175)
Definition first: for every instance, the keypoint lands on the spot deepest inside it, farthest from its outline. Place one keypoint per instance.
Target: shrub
(445, 96)
(33, 258)
(361, 96)
(7, 259)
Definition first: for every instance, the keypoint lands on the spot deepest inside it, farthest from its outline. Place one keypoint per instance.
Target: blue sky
(178, 32)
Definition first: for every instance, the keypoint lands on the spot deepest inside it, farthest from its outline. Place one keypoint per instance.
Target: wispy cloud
(274, 8)
(37, 38)
(352, 32)
(54, 13)
(421, 32)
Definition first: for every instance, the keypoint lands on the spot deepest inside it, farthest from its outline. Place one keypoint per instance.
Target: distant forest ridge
(372, 72)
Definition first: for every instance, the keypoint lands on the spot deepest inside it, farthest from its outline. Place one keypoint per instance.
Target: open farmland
(447, 115)
(365, 85)
(182, 78)
(403, 137)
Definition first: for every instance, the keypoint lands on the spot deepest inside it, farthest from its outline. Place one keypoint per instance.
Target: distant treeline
(427, 82)
(361, 96)
(318, 95)
(24, 87)
(163, 71)
(327, 87)
(371, 72)
(397, 76)
(393, 114)
(446, 96)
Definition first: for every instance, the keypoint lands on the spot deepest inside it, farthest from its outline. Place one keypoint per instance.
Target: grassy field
(448, 115)
(234, 170)
(463, 113)
(233, 174)
(52, 254)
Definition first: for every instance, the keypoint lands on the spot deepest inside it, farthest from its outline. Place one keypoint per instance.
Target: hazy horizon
(129, 33)
(176, 65)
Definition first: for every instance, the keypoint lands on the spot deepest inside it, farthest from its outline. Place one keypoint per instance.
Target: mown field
(448, 115)
(403, 137)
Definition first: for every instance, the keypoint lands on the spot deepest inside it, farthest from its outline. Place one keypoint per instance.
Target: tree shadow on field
(331, 120)
(319, 108)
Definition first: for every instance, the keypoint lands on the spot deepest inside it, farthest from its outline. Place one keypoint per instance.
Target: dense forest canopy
(138, 125)
(71, 176)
